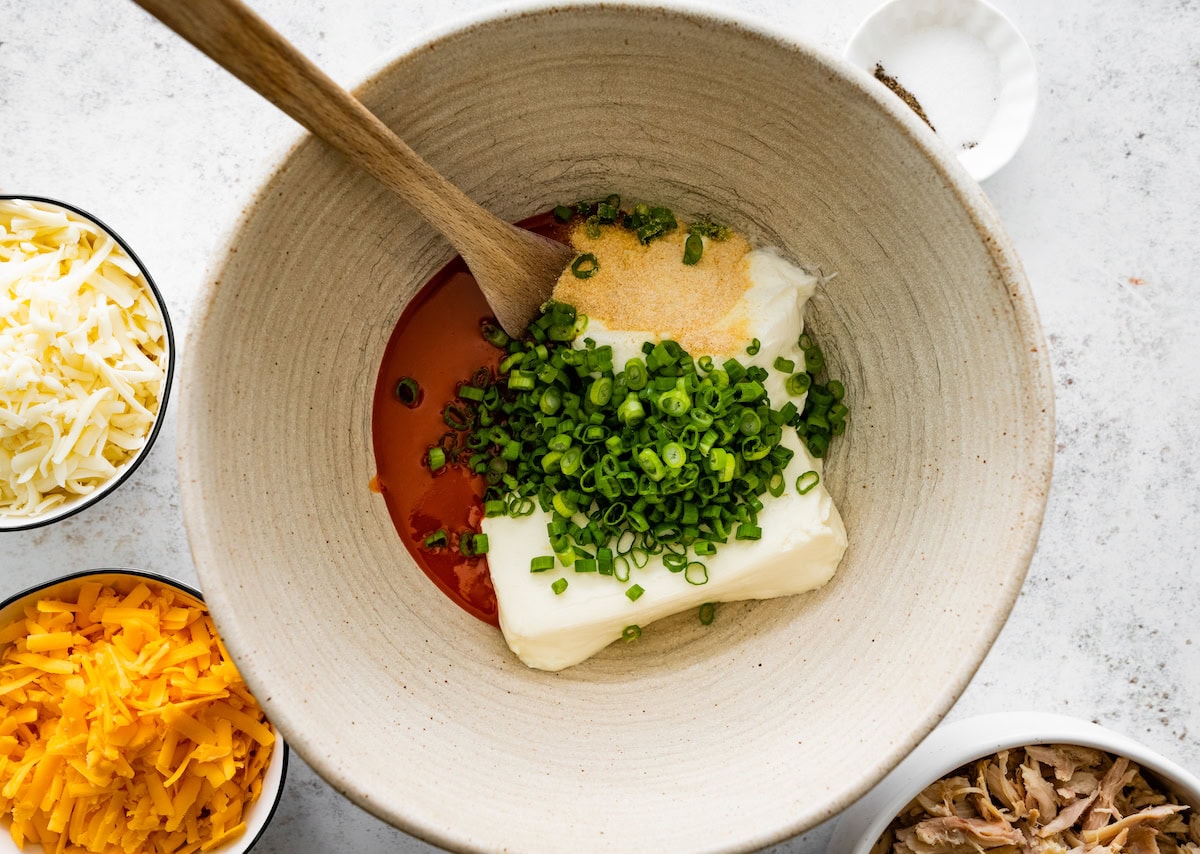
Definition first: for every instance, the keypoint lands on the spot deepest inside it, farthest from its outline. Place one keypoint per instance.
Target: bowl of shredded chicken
(125, 727)
(86, 359)
(1027, 782)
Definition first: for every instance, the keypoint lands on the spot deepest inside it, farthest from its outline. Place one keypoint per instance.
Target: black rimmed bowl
(259, 814)
(76, 503)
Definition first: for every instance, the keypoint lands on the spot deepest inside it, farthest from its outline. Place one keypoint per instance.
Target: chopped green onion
(708, 228)
(652, 464)
(572, 458)
(458, 416)
(798, 384)
(479, 544)
(562, 213)
(806, 482)
(541, 564)
(707, 611)
(408, 392)
(519, 507)
(631, 411)
(437, 539)
(748, 392)
(696, 573)
(521, 380)
(559, 586)
(551, 400)
(650, 223)
(437, 458)
(608, 210)
(601, 391)
(585, 266)
(785, 366)
(635, 374)
(674, 455)
(493, 334)
(674, 402)
(495, 507)
(750, 423)
(693, 248)
(753, 348)
(634, 592)
(746, 531)
(631, 633)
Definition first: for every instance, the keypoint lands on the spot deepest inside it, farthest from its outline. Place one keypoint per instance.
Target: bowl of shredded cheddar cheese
(124, 724)
(86, 361)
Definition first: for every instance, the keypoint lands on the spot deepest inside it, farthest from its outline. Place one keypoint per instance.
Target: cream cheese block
(802, 541)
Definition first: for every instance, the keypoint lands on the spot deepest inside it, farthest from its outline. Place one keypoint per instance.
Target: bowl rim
(167, 581)
(168, 380)
(965, 740)
(969, 194)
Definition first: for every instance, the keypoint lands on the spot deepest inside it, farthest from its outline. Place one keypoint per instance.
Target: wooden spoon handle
(243, 43)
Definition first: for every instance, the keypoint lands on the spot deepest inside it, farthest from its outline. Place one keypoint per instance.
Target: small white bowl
(76, 503)
(938, 43)
(259, 814)
(954, 745)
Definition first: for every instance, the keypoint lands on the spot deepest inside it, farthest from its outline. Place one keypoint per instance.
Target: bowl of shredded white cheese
(86, 360)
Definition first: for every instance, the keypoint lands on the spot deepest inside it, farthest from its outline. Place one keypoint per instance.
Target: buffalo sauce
(437, 342)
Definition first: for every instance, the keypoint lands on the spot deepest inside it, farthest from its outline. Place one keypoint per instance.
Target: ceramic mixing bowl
(730, 736)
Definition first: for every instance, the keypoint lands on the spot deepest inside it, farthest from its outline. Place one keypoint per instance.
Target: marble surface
(102, 107)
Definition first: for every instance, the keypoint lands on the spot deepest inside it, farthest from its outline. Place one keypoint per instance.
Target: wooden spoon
(516, 269)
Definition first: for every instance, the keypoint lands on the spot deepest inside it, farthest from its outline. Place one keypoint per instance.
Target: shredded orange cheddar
(124, 725)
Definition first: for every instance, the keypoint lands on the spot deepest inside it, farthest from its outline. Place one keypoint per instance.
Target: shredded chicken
(1039, 792)
(1142, 840)
(959, 835)
(1046, 799)
(1069, 817)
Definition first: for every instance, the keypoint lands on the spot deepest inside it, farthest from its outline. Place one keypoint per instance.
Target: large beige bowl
(727, 737)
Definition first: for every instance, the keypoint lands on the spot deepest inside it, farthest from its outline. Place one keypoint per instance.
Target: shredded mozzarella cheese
(82, 358)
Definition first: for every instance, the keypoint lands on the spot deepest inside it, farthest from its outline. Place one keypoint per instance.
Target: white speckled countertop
(102, 107)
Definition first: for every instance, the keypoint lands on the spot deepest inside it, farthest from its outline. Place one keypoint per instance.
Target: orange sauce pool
(436, 342)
